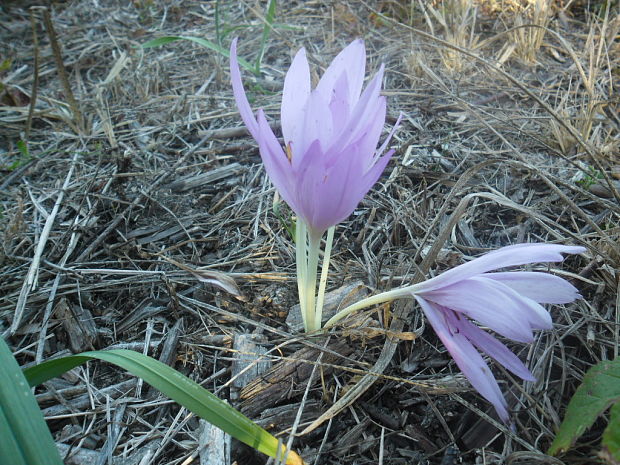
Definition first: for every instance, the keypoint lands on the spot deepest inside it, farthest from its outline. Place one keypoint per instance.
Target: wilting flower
(506, 302)
(330, 158)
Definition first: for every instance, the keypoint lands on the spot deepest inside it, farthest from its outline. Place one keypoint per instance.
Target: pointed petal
(309, 174)
(512, 255)
(296, 92)
(362, 113)
(340, 191)
(369, 140)
(333, 192)
(494, 348)
(374, 173)
(381, 149)
(276, 164)
(544, 288)
(350, 61)
(487, 303)
(242, 101)
(537, 316)
(339, 105)
(466, 357)
(330, 193)
(317, 125)
(318, 120)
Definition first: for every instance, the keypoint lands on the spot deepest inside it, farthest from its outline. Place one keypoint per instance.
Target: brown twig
(35, 81)
(62, 74)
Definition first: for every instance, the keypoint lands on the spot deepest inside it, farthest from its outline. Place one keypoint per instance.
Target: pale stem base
(308, 248)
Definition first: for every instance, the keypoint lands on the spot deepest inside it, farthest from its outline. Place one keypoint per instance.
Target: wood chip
(79, 325)
(214, 445)
(247, 362)
(192, 182)
(287, 378)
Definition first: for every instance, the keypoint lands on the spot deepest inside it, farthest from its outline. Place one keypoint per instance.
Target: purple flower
(506, 302)
(330, 160)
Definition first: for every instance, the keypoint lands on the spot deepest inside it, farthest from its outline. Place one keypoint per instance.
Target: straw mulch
(130, 197)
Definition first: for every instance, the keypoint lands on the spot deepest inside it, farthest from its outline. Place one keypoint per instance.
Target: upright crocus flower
(506, 302)
(330, 158)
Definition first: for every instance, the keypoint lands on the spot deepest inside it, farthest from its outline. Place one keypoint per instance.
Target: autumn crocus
(508, 303)
(329, 158)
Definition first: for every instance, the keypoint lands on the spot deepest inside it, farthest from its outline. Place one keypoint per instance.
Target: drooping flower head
(506, 302)
(330, 158)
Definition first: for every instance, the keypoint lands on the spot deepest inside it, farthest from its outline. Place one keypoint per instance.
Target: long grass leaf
(204, 42)
(24, 436)
(176, 386)
(269, 17)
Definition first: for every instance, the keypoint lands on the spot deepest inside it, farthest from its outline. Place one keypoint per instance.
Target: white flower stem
(370, 301)
(314, 247)
(302, 267)
(307, 249)
(323, 281)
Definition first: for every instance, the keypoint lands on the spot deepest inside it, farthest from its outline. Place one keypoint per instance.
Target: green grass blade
(204, 42)
(176, 386)
(160, 41)
(269, 17)
(287, 27)
(24, 436)
(217, 23)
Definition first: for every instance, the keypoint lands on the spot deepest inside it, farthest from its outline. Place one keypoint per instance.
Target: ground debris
(154, 227)
(288, 378)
